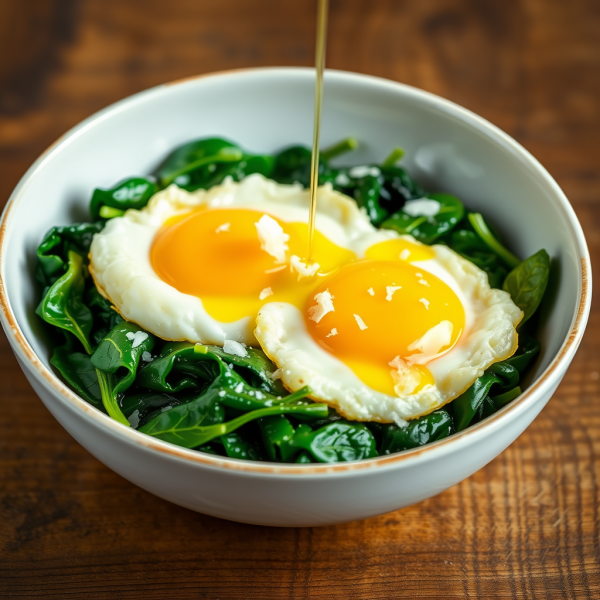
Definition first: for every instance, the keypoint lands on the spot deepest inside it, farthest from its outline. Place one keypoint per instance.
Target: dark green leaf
(424, 430)
(239, 444)
(196, 156)
(336, 442)
(466, 406)
(77, 370)
(105, 316)
(120, 353)
(133, 192)
(527, 351)
(527, 283)
(198, 422)
(366, 194)
(53, 252)
(62, 305)
(428, 229)
(276, 433)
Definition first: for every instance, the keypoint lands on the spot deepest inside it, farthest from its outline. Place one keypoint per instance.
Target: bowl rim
(545, 382)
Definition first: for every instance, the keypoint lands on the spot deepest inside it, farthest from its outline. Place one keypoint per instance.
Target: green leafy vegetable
(424, 430)
(63, 306)
(119, 354)
(276, 433)
(193, 160)
(465, 407)
(79, 372)
(129, 193)
(527, 351)
(53, 252)
(336, 442)
(428, 229)
(480, 226)
(527, 282)
(366, 194)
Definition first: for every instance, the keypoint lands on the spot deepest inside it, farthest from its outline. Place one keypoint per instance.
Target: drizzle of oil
(314, 167)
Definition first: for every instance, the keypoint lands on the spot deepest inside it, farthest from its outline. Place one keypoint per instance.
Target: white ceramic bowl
(447, 149)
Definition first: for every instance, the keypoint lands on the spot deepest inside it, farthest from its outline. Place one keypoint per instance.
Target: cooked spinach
(198, 396)
(428, 229)
(129, 193)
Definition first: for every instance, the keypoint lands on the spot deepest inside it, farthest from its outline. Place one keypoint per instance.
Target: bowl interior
(447, 149)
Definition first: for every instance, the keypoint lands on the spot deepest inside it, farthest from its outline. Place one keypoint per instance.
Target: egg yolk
(216, 254)
(384, 318)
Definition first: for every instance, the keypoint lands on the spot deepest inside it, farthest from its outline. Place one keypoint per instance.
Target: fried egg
(380, 326)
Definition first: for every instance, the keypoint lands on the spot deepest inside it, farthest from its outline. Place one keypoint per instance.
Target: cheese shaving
(332, 333)
(404, 254)
(425, 302)
(391, 289)
(235, 348)
(265, 293)
(360, 323)
(324, 306)
(303, 268)
(371, 291)
(273, 240)
(224, 227)
(430, 345)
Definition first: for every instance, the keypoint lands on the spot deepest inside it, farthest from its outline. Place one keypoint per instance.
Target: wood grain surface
(526, 526)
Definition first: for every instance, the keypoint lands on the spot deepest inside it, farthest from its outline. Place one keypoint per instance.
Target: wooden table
(526, 526)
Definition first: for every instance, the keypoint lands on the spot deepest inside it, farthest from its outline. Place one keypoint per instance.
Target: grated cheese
(371, 291)
(406, 376)
(136, 338)
(332, 333)
(404, 254)
(361, 323)
(425, 302)
(324, 305)
(302, 267)
(224, 227)
(423, 207)
(265, 293)
(273, 240)
(391, 289)
(235, 348)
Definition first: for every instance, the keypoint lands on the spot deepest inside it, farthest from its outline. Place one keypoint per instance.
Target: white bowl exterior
(264, 110)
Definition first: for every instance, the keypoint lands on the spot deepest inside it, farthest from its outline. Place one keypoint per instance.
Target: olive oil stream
(314, 167)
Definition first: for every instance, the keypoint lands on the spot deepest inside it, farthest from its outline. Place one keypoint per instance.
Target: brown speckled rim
(75, 404)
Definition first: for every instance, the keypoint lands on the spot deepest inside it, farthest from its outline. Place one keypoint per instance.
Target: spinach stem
(339, 148)
(395, 155)
(108, 212)
(226, 154)
(503, 399)
(108, 399)
(483, 231)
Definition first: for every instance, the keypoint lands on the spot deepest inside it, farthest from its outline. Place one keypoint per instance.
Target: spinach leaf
(137, 407)
(104, 315)
(120, 352)
(53, 252)
(367, 191)
(470, 246)
(62, 305)
(181, 364)
(527, 283)
(336, 442)
(424, 430)
(133, 192)
(239, 444)
(77, 370)
(190, 159)
(200, 421)
(428, 229)
(465, 407)
(256, 368)
(528, 349)
(398, 187)
(483, 231)
(276, 434)
(304, 458)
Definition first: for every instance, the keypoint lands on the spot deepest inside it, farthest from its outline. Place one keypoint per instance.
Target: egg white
(120, 254)
(489, 336)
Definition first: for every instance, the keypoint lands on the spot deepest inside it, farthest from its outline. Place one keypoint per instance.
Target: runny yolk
(216, 254)
(386, 309)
